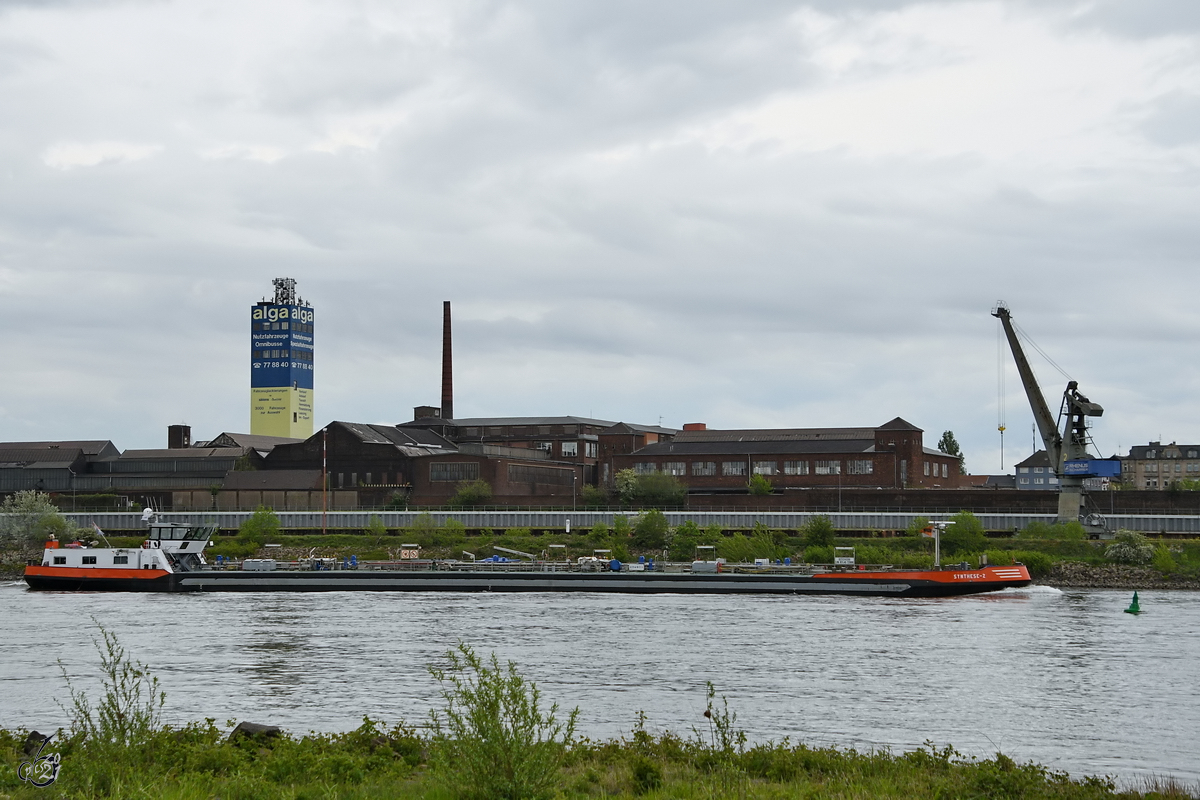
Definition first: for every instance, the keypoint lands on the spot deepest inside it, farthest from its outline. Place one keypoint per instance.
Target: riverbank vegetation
(493, 737)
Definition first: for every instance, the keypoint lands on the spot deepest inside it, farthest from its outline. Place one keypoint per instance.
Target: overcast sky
(750, 214)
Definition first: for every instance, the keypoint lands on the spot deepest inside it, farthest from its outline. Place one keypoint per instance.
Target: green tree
(660, 489)
(375, 526)
(949, 445)
(650, 530)
(819, 532)
(760, 485)
(653, 488)
(28, 520)
(626, 484)
(470, 494)
(599, 535)
(964, 534)
(262, 526)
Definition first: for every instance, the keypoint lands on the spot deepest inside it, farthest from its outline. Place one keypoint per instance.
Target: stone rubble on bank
(1077, 575)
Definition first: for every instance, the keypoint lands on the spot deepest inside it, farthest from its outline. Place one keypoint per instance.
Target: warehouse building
(714, 461)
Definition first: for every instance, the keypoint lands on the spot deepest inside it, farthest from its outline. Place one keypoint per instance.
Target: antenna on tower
(285, 292)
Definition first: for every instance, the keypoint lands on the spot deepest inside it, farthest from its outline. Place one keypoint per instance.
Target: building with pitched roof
(891, 455)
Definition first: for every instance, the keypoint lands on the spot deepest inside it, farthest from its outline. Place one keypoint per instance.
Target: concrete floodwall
(584, 520)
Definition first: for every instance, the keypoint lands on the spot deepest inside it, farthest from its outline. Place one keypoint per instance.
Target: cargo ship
(172, 559)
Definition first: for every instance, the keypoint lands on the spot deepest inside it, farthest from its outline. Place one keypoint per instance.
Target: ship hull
(934, 583)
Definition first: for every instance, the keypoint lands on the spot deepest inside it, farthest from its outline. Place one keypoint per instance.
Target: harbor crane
(1067, 449)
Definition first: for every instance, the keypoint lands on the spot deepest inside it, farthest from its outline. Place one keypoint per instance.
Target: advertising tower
(281, 364)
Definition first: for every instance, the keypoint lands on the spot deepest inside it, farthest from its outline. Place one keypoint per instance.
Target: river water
(1063, 678)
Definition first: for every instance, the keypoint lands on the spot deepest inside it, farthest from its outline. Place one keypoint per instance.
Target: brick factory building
(715, 461)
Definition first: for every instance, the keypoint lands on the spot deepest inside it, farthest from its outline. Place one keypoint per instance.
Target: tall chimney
(447, 365)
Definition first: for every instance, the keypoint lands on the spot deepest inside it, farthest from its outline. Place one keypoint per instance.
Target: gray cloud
(551, 169)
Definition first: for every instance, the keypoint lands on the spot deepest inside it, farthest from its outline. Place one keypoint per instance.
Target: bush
(492, 739)
(131, 709)
(470, 494)
(917, 527)
(818, 555)
(594, 497)
(375, 526)
(1164, 560)
(819, 532)
(262, 526)
(687, 537)
(760, 485)
(1072, 531)
(1129, 547)
(1038, 564)
(963, 535)
(650, 530)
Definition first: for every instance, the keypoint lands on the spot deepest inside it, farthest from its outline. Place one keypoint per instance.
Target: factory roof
(99, 448)
(263, 444)
(753, 446)
(58, 456)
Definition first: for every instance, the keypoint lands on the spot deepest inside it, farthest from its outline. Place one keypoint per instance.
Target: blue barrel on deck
(614, 565)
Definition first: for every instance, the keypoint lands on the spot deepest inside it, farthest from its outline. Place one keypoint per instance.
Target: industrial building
(281, 364)
(715, 461)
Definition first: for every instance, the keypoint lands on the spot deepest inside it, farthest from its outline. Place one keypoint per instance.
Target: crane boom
(1047, 425)
(1071, 443)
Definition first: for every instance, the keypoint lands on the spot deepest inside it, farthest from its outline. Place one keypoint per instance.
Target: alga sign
(281, 370)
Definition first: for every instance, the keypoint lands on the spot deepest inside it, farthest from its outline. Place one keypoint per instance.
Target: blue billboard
(281, 346)
(1093, 468)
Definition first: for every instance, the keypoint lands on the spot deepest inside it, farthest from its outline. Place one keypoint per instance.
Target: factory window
(454, 471)
(543, 430)
(590, 449)
(1152, 468)
(733, 468)
(1039, 480)
(495, 431)
(1024, 480)
(675, 467)
(89, 559)
(570, 430)
(829, 468)
(1023, 469)
(471, 432)
(120, 560)
(645, 468)
(341, 479)
(861, 467)
(1039, 470)
(703, 468)
(1053, 480)
(765, 467)
(367, 479)
(1178, 468)
(570, 448)
(945, 470)
(926, 468)
(557, 476)
(1193, 467)
(795, 468)
(547, 446)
